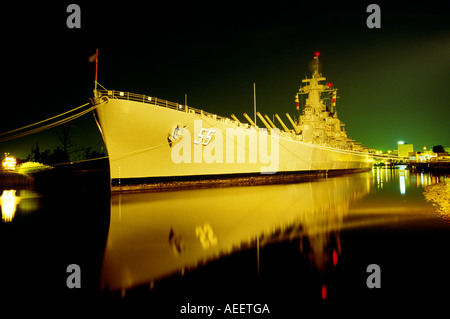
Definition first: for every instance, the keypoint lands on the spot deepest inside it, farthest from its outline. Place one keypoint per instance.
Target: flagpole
(254, 100)
(96, 70)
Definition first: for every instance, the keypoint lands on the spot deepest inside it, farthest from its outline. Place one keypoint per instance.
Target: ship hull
(147, 142)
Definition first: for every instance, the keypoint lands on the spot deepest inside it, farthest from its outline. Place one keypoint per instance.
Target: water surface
(281, 245)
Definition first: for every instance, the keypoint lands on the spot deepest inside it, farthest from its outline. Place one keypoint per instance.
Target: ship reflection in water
(157, 235)
(154, 235)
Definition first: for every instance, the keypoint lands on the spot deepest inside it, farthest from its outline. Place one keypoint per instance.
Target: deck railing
(184, 108)
(156, 101)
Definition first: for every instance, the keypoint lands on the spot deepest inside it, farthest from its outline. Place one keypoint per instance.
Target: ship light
(149, 98)
(401, 142)
(330, 85)
(9, 163)
(121, 94)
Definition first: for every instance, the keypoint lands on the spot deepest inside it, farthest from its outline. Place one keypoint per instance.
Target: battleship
(151, 141)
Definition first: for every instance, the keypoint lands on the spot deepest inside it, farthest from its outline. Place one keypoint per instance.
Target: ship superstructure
(319, 123)
(150, 140)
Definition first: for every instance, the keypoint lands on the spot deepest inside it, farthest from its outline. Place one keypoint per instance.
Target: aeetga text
(227, 309)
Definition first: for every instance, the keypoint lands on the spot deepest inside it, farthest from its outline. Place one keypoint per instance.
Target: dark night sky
(393, 81)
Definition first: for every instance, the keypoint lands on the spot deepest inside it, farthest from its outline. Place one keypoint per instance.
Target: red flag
(91, 59)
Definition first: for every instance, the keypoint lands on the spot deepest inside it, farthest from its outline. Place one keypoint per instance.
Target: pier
(442, 166)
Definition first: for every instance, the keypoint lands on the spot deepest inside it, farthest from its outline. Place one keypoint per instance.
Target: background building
(404, 149)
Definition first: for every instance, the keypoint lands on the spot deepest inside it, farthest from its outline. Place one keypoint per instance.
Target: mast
(254, 101)
(316, 57)
(96, 67)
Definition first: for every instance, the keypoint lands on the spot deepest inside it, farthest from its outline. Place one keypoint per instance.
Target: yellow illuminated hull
(140, 144)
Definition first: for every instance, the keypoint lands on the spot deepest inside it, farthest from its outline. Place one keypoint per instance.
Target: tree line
(64, 152)
(59, 155)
